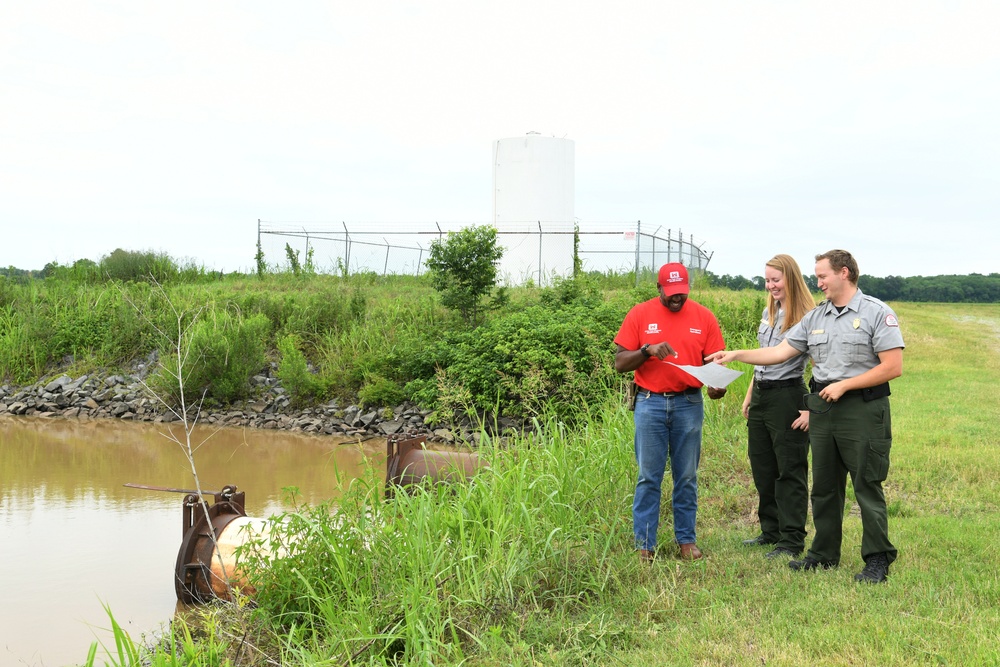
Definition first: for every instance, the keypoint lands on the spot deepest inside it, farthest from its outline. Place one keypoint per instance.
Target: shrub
(222, 352)
(580, 290)
(293, 371)
(378, 390)
(133, 265)
(516, 364)
(321, 311)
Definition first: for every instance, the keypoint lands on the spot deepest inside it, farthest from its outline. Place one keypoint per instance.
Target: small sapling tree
(463, 269)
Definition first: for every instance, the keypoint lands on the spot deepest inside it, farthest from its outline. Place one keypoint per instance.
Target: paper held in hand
(712, 375)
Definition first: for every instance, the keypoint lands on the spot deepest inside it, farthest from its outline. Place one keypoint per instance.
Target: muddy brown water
(73, 538)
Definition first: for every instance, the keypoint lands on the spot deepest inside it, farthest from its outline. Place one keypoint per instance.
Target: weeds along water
(425, 573)
(424, 576)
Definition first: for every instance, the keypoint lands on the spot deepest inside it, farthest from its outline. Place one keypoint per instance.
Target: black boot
(876, 570)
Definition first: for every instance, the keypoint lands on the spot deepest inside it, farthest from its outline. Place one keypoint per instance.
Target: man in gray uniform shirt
(856, 348)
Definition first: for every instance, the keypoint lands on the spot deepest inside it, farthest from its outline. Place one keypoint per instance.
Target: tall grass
(426, 577)
(192, 640)
(49, 324)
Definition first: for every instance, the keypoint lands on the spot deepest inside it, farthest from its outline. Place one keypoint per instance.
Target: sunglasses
(816, 404)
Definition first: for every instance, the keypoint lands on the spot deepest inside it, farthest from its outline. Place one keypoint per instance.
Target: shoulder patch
(891, 321)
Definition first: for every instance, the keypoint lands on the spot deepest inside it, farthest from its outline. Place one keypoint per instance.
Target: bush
(378, 390)
(581, 290)
(222, 352)
(515, 365)
(321, 311)
(293, 371)
(133, 265)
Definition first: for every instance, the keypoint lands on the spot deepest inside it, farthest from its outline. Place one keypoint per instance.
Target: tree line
(124, 265)
(972, 288)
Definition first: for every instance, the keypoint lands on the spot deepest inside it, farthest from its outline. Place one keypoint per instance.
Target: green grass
(530, 563)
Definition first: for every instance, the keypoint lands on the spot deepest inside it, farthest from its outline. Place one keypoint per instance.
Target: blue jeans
(667, 427)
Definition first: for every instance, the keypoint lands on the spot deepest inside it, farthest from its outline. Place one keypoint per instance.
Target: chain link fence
(533, 251)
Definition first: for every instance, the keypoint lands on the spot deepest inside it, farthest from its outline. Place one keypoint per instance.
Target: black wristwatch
(645, 350)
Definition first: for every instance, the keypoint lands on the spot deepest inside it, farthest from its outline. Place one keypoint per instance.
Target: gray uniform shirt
(846, 344)
(769, 336)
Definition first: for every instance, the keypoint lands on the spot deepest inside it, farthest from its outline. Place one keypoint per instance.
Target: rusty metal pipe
(202, 572)
(409, 462)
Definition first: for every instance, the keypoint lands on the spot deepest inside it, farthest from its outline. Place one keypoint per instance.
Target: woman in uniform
(777, 426)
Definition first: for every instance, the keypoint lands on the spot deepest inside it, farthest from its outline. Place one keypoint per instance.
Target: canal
(74, 538)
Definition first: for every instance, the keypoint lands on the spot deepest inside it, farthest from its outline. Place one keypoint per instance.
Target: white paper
(712, 375)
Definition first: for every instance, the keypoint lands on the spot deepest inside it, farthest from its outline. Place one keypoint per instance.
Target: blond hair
(798, 299)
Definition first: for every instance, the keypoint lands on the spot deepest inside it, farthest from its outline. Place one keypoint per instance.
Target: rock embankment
(126, 397)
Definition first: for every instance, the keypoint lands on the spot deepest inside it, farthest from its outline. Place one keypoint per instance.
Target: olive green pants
(853, 437)
(779, 461)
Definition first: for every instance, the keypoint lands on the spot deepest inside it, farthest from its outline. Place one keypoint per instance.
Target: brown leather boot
(690, 552)
(646, 555)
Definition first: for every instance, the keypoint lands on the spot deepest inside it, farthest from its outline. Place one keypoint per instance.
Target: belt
(777, 384)
(668, 394)
(868, 393)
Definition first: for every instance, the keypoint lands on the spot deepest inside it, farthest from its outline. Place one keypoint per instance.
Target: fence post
(385, 267)
(638, 236)
(347, 250)
(540, 253)
(307, 263)
(654, 264)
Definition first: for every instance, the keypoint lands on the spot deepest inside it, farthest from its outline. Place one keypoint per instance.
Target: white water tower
(533, 195)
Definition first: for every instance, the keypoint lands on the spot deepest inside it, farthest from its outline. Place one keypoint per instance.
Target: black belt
(868, 393)
(668, 394)
(777, 384)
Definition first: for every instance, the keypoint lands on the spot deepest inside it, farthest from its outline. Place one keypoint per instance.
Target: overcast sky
(759, 127)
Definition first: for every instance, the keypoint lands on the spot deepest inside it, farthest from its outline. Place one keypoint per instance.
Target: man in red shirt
(667, 330)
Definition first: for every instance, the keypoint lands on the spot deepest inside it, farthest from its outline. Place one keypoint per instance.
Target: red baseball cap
(673, 279)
